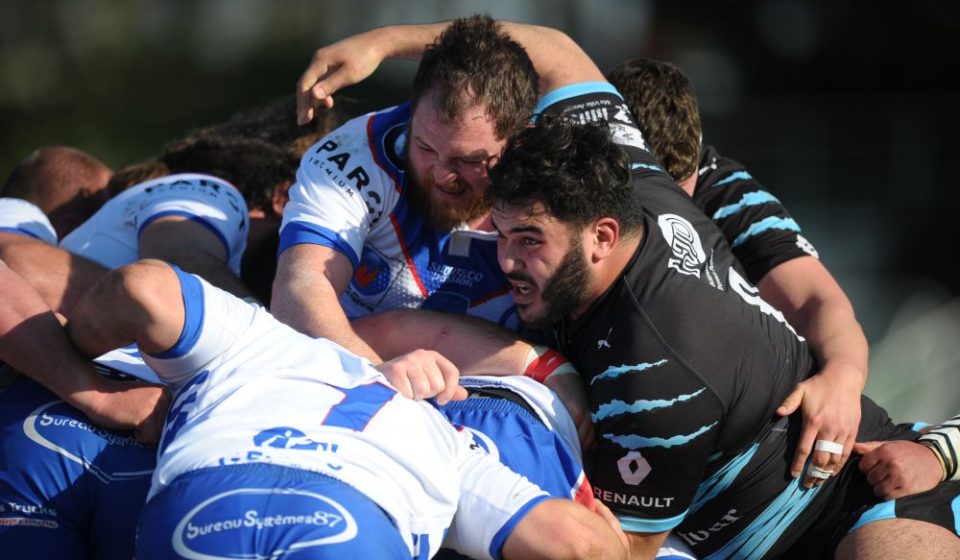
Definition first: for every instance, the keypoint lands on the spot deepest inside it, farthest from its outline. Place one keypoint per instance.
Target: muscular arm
(59, 277)
(817, 307)
(33, 342)
(557, 58)
(558, 529)
(193, 248)
(309, 281)
(476, 346)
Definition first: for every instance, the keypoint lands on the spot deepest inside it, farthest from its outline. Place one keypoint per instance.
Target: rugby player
(685, 364)
(766, 240)
(341, 466)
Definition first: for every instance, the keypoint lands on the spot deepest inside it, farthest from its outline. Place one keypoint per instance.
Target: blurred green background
(847, 111)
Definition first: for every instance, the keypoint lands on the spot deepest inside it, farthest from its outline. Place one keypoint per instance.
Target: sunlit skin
(531, 248)
(449, 161)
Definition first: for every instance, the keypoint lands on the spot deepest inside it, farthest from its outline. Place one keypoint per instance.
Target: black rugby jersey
(759, 229)
(685, 366)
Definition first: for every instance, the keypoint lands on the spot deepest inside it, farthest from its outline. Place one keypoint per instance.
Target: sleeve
(213, 321)
(758, 228)
(341, 193)
(211, 202)
(23, 218)
(493, 500)
(658, 425)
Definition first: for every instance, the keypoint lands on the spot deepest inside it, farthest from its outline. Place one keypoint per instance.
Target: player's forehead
(530, 216)
(471, 133)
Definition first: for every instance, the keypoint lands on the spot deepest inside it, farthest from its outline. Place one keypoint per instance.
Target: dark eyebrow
(519, 229)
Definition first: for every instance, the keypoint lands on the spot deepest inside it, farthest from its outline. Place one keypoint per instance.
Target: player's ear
(606, 235)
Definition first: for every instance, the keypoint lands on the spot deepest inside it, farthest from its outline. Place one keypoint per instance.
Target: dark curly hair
(474, 61)
(662, 100)
(575, 170)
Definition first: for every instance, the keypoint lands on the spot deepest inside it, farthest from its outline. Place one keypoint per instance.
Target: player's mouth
(455, 188)
(523, 292)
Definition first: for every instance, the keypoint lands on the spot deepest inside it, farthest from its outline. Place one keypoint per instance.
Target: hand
(610, 518)
(135, 406)
(422, 374)
(569, 388)
(335, 66)
(830, 404)
(898, 468)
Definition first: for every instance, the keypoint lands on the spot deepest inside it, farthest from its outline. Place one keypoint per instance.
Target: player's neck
(689, 184)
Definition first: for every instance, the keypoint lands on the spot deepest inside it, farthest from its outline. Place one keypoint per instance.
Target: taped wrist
(944, 441)
(544, 362)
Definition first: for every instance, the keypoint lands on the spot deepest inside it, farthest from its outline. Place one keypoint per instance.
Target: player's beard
(564, 292)
(440, 214)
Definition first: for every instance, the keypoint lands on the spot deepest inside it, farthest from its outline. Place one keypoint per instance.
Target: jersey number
(358, 406)
(751, 295)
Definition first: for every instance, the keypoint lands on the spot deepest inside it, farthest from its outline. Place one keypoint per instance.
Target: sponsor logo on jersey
(684, 241)
(614, 499)
(213, 529)
(285, 437)
(701, 535)
(341, 167)
(57, 427)
(372, 276)
(604, 342)
(633, 468)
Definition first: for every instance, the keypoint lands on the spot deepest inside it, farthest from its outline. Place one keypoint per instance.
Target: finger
(807, 436)
(847, 451)
(305, 91)
(402, 384)
(459, 394)
(792, 402)
(824, 451)
(869, 459)
(864, 447)
(420, 383)
(450, 377)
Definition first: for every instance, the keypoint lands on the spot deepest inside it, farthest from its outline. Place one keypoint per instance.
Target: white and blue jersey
(111, 235)
(352, 195)
(24, 218)
(337, 418)
(68, 489)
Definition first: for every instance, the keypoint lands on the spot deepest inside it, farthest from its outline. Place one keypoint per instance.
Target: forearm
(306, 300)
(33, 342)
(475, 346)
(59, 277)
(556, 57)
(816, 306)
(835, 337)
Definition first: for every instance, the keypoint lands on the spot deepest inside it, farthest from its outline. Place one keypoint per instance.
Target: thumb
(792, 402)
(459, 394)
(862, 448)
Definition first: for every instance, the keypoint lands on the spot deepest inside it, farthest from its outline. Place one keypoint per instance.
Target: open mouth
(522, 291)
(455, 188)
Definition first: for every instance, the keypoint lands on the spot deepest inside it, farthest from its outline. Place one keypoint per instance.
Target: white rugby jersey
(25, 218)
(352, 195)
(110, 236)
(249, 389)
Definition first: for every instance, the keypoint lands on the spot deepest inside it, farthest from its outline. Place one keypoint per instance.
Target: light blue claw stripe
(760, 535)
(616, 371)
(722, 479)
(749, 199)
(736, 176)
(955, 506)
(645, 166)
(616, 407)
(634, 442)
(766, 224)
